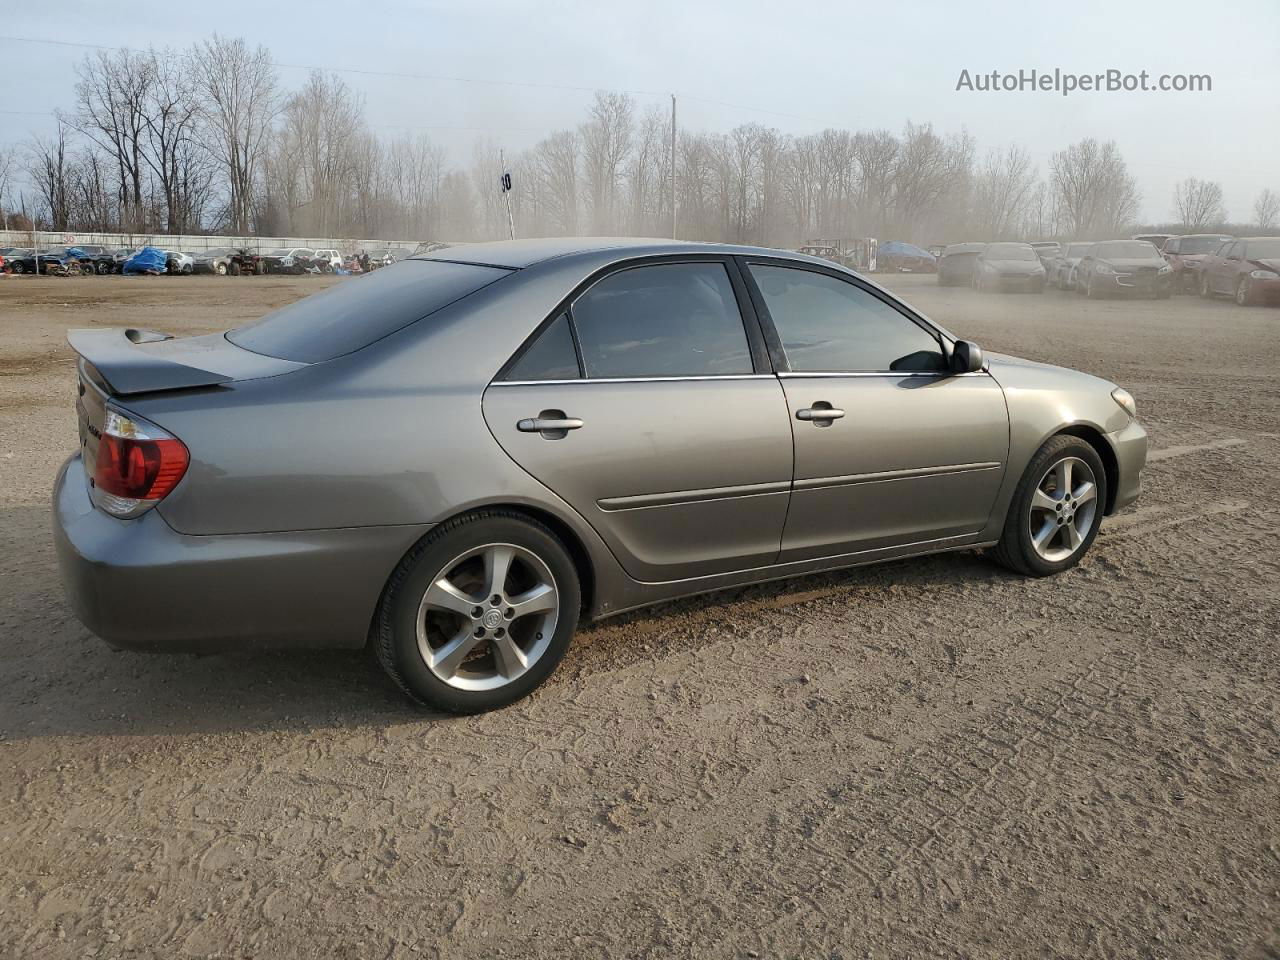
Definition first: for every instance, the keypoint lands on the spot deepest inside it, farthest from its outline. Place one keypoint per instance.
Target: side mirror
(966, 357)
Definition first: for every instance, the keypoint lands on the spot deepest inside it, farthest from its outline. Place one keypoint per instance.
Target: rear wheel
(1244, 292)
(221, 269)
(1056, 509)
(479, 613)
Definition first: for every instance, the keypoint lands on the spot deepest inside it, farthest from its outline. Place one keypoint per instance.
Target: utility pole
(673, 166)
(505, 181)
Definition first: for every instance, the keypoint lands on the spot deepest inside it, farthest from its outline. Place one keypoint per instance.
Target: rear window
(359, 311)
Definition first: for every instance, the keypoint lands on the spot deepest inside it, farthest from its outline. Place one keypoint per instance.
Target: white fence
(51, 239)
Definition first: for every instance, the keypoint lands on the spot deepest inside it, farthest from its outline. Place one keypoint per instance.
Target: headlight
(1103, 268)
(1165, 269)
(1125, 399)
(1265, 275)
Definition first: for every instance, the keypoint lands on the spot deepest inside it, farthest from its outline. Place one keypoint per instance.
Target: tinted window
(1235, 251)
(828, 325)
(668, 320)
(356, 312)
(1009, 251)
(550, 357)
(1263, 249)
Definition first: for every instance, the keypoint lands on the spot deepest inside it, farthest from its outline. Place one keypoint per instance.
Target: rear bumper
(1130, 447)
(139, 584)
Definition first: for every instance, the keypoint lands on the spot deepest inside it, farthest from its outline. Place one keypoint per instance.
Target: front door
(890, 448)
(645, 407)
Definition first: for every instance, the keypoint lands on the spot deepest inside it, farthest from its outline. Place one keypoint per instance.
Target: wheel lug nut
(479, 631)
(496, 600)
(476, 612)
(509, 613)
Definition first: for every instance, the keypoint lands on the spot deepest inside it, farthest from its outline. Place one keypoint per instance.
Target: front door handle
(541, 425)
(821, 414)
(552, 424)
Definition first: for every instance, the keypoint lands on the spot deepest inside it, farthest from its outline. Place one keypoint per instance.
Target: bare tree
(556, 168)
(1198, 204)
(1093, 190)
(1003, 188)
(170, 114)
(236, 87)
(47, 166)
(111, 96)
(323, 124)
(1266, 209)
(606, 141)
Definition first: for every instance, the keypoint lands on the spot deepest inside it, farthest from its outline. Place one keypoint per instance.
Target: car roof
(517, 254)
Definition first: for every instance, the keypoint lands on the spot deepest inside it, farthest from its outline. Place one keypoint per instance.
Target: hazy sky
(796, 66)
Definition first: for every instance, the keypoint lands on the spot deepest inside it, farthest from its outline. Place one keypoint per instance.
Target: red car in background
(1186, 254)
(1247, 269)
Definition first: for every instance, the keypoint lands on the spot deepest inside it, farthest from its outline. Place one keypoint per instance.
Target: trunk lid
(119, 362)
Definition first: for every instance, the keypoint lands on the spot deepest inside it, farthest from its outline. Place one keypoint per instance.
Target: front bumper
(1020, 281)
(1134, 283)
(141, 585)
(1130, 447)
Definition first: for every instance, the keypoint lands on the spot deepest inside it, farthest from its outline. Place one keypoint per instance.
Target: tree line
(208, 140)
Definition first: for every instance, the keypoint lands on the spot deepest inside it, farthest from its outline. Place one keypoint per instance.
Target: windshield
(1126, 250)
(962, 248)
(278, 252)
(215, 252)
(1199, 244)
(1010, 251)
(1262, 249)
(360, 311)
(1078, 249)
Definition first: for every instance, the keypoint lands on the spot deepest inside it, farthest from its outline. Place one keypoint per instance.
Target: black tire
(1015, 549)
(1206, 291)
(1244, 293)
(221, 269)
(1089, 292)
(18, 268)
(102, 268)
(234, 269)
(394, 635)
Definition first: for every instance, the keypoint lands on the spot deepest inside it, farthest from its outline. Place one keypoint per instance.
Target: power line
(445, 78)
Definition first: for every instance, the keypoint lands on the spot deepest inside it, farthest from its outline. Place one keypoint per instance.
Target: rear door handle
(551, 424)
(820, 414)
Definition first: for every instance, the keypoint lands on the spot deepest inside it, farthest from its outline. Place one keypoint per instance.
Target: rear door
(890, 448)
(648, 405)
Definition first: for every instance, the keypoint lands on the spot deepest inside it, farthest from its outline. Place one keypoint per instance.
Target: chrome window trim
(725, 376)
(936, 374)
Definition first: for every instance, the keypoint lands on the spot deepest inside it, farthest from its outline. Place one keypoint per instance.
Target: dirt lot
(927, 758)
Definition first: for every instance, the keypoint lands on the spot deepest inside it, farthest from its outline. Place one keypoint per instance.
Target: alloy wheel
(487, 617)
(1064, 509)
(1243, 294)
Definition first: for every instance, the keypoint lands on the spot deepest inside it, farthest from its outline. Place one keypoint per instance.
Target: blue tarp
(78, 254)
(896, 248)
(146, 260)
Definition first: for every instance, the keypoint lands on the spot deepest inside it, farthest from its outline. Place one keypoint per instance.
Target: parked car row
(90, 259)
(1246, 269)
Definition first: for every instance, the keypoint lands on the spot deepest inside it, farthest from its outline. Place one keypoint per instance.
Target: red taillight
(137, 464)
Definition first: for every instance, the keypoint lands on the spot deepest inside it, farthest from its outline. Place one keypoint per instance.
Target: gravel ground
(926, 758)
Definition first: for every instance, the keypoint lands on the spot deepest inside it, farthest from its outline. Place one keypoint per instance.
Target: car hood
(1270, 263)
(1016, 266)
(1017, 370)
(1132, 263)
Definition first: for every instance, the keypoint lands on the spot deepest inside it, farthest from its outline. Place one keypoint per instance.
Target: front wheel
(1056, 510)
(1206, 291)
(479, 613)
(220, 269)
(1244, 292)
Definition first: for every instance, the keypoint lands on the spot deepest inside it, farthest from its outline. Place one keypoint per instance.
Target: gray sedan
(459, 457)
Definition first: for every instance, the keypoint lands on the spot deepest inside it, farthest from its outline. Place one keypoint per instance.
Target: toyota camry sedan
(457, 459)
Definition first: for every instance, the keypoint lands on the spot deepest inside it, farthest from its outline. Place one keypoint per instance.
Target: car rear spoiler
(116, 355)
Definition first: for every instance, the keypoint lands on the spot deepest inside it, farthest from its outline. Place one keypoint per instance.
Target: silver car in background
(457, 458)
